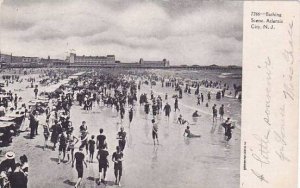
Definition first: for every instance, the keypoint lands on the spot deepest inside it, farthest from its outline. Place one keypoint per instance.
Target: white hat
(10, 155)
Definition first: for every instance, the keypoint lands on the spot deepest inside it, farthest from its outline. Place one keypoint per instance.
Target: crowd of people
(14, 174)
(118, 92)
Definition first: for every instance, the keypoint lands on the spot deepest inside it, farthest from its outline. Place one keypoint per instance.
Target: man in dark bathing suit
(167, 110)
(117, 158)
(101, 140)
(103, 163)
(122, 138)
(79, 158)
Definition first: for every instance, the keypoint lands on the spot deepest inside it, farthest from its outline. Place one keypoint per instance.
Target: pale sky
(182, 31)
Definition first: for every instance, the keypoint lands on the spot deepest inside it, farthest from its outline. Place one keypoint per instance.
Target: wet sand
(176, 162)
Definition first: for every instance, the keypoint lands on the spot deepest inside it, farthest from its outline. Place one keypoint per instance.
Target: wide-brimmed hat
(10, 155)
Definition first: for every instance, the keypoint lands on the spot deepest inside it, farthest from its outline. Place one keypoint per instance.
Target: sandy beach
(176, 162)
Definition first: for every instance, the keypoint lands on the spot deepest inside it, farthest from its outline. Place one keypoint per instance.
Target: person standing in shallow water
(208, 96)
(91, 143)
(117, 158)
(130, 115)
(176, 104)
(154, 110)
(84, 136)
(167, 109)
(46, 135)
(62, 146)
(154, 132)
(122, 112)
(84, 140)
(228, 129)
(35, 92)
(215, 113)
(56, 130)
(221, 112)
(71, 144)
(103, 163)
(32, 123)
(122, 138)
(79, 158)
(198, 100)
(101, 140)
(146, 108)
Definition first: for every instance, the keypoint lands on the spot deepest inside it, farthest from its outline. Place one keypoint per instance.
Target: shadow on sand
(68, 182)
(54, 159)
(108, 183)
(42, 147)
(39, 146)
(27, 136)
(61, 160)
(92, 178)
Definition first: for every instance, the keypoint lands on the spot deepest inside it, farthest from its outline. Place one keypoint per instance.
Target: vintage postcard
(149, 93)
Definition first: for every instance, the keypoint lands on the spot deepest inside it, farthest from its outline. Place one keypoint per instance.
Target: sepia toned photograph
(120, 93)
